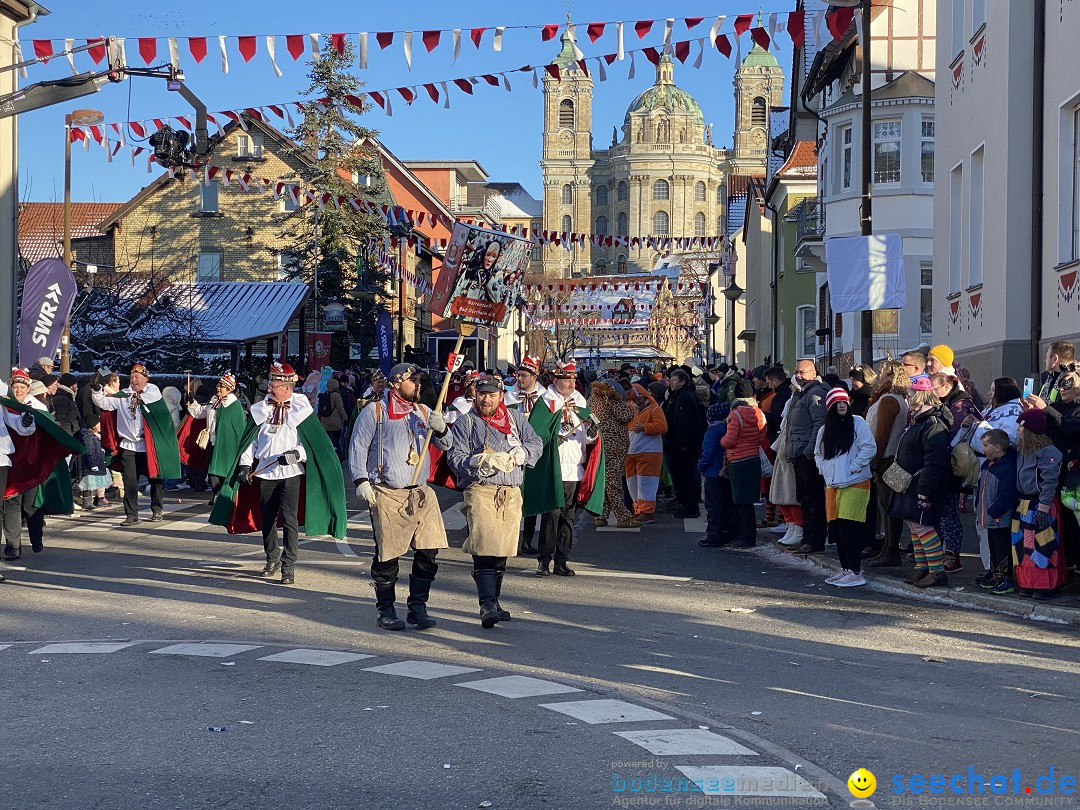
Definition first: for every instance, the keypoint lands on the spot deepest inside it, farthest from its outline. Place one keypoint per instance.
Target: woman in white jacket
(844, 449)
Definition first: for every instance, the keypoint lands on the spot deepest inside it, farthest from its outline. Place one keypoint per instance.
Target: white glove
(502, 461)
(482, 462)
(366, 492)
(437, 422)
(518, 455)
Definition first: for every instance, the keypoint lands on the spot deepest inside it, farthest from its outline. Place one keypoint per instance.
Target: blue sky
(500, 130)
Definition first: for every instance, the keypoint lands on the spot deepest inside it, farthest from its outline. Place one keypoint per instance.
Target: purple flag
(384, 337)
(48, 295)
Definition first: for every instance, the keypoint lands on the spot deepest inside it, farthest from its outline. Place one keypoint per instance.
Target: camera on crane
(171, 148)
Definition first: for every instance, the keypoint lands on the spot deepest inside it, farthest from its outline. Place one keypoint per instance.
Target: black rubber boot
(487, 583)
(384, 604)
(88, 501)
(504, 615)
(419, 588)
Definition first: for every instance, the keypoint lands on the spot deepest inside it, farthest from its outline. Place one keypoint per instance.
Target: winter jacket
(804, 419)
(996, 498)
(887, 418)
(90, 413)
(1063, 426)
(685, 420)
(960, 405)
(745, 435)
(852, 467)
(860, 400)
(651, 437)
(65, 411)
(93, 460)
(338, 416)
(924, 452)
(1003, 417)
(726, 390)
(775, 415)
(711, 463)
(1038, 474)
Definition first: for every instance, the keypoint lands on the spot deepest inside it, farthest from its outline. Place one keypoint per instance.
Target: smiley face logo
(862, 783)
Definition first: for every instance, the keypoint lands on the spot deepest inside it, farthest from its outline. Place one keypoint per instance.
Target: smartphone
(1029, 386)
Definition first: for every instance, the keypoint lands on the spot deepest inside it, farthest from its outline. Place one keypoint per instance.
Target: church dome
(759, 57)
(664, 95)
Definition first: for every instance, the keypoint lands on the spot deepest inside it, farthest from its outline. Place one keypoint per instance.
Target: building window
(566, 113)
(719, 226)
(290, 197)
(535, 255)
(209, 266)
(623, 225)
(567, 224)
(601, 195)
(568, 194)
(660, 190)
(927, 151)
(699, 224)
(660, 223)
(249, 146)
(601, 226)
(975, 223)
(926, 300)
(699, 192)
(720, 195)
(288, 265)
(622, 193)
(1073, 171)
(620, 263)
(845, 159)
(956, 226)
(807, 331)
(208, 198)
(758, 114)
(958, 26)
(887, 151)
(601, 267)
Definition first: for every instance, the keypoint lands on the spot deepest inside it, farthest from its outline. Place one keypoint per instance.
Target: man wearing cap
(492, 443)
(570, 472)
(137, 428)
(386, 449)
(42, 366)
(523, 397)
(14, 507)
(220, 437)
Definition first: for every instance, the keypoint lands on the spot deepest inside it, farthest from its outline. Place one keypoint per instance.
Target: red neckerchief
(500, 420)
(281, 410)
(396, 407)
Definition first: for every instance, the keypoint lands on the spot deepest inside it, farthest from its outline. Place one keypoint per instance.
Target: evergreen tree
(330, 244)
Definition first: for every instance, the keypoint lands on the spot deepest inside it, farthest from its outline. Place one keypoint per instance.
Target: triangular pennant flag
(796, 27)
(43, 49)
(137, 128)
(465, 85)
(490, 79)
(761, 37)
(295, 45)
(553, 72)
(431, 40)
(384, 38)
(549, 32)
(595, 30)
(723, 44)
(652, 55)
(838, 21)
(97, 49)
(584, 68)
(224, 55)
(337, 42)
(247, 47)
(456, 35)
(475, 35)
(600, 69)
(642, 27)
(682, 50)
(407, 94)
(743, 23)
(273, 62)
(693, 21)
(147, 49)
(407, 44)
(433, 92)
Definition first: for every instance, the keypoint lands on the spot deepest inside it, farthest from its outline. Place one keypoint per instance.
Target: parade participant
(137, 429)
(283, 449)
(645, 455)
(524, 396)
(376, 390)
(383, 456)
(463, 404)
(491, 445)
(608, 403)
(22, 423)
(569, 474)
(220, 438)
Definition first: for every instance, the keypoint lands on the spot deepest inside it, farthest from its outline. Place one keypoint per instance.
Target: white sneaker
(842, 574)
(852, 580)
(783, 528)
(787, 533)
(794, 539)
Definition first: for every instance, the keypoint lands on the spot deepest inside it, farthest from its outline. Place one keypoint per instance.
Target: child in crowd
(718, 531)
(96, 477)
(995, 501)
(1038, 561)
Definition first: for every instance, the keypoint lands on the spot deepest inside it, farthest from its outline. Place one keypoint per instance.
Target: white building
(1007, 234)
(902, 55)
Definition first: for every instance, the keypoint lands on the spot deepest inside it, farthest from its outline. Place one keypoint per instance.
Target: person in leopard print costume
(614, 414)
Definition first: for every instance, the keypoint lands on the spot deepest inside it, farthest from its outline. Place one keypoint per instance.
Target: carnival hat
(564, 371)
(403, 371)
(229, 381)
(486, 384)
(282, 372)
(921, 382)
(19, 375)
(530, 364)
(139, 368)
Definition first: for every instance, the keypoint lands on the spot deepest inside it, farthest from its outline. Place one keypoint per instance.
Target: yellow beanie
(943, 353)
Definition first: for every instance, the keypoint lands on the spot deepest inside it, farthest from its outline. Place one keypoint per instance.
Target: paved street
(658, 658)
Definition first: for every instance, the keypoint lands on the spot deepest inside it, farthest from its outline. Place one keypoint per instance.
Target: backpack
(325, 408)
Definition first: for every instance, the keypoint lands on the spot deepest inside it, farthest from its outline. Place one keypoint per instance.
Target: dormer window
(249, 146)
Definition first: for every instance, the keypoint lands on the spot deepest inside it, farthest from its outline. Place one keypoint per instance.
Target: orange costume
(645, 456)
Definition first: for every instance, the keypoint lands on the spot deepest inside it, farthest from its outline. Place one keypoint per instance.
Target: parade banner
(48, 295)
(481, 276)
(384, 339)
(318, 350)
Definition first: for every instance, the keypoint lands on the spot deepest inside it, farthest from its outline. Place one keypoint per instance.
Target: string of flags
(297, 46)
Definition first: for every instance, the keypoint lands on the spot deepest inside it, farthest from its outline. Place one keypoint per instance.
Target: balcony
(487, 210)
(809, 218)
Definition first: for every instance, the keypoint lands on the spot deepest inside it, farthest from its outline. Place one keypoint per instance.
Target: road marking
(422, 670)
(4, 646)
(317, 658)
(453, 519)
(84, 647)
(605, 711)
(685, 742)
(518, 686)
(206, 649)
(837, 700)
(749, 780)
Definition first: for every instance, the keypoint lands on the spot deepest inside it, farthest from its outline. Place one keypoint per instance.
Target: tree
(328, 242)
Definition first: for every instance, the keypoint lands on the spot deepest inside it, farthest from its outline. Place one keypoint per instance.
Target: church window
(566, 113)
(601, 226)
(660, 223)
(567, 194)
(567, 224)
(660, 190)
(719, 226)
(699, 192)
(720, 195)
(623, 225)
(620, 263)
(601, 195)
(622, 193)
(699, 224)
(758, 113)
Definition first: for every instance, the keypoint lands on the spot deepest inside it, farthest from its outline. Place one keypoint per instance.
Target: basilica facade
(662, 175)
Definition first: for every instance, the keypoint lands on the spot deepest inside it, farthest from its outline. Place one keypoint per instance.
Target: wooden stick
(464, 330)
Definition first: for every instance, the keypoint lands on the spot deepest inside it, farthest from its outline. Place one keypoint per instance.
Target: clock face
(566, 137)
(758, 137)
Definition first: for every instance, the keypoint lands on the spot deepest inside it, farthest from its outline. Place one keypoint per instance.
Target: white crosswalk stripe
(84, 647)
(685, 742)
(421, 670)
(605, 710)
(206, 649)
(318, 658)
(518, 686)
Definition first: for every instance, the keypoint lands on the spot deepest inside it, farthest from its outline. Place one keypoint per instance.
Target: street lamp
(82, 118)
(732, 292)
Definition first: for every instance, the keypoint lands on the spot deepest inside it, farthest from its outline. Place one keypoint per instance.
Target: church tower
(567, 159)
(759, 86)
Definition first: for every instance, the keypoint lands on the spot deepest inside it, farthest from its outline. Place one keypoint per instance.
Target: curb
(1022, 606)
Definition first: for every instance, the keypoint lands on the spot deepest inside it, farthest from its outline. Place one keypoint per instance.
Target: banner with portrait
(481, 275)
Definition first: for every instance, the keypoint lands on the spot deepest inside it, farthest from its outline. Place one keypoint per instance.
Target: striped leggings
(929, 553)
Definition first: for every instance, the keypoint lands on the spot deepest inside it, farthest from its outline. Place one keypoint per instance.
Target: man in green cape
(567, 474)
(214, 430)
(138, 431)
(286, 466)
